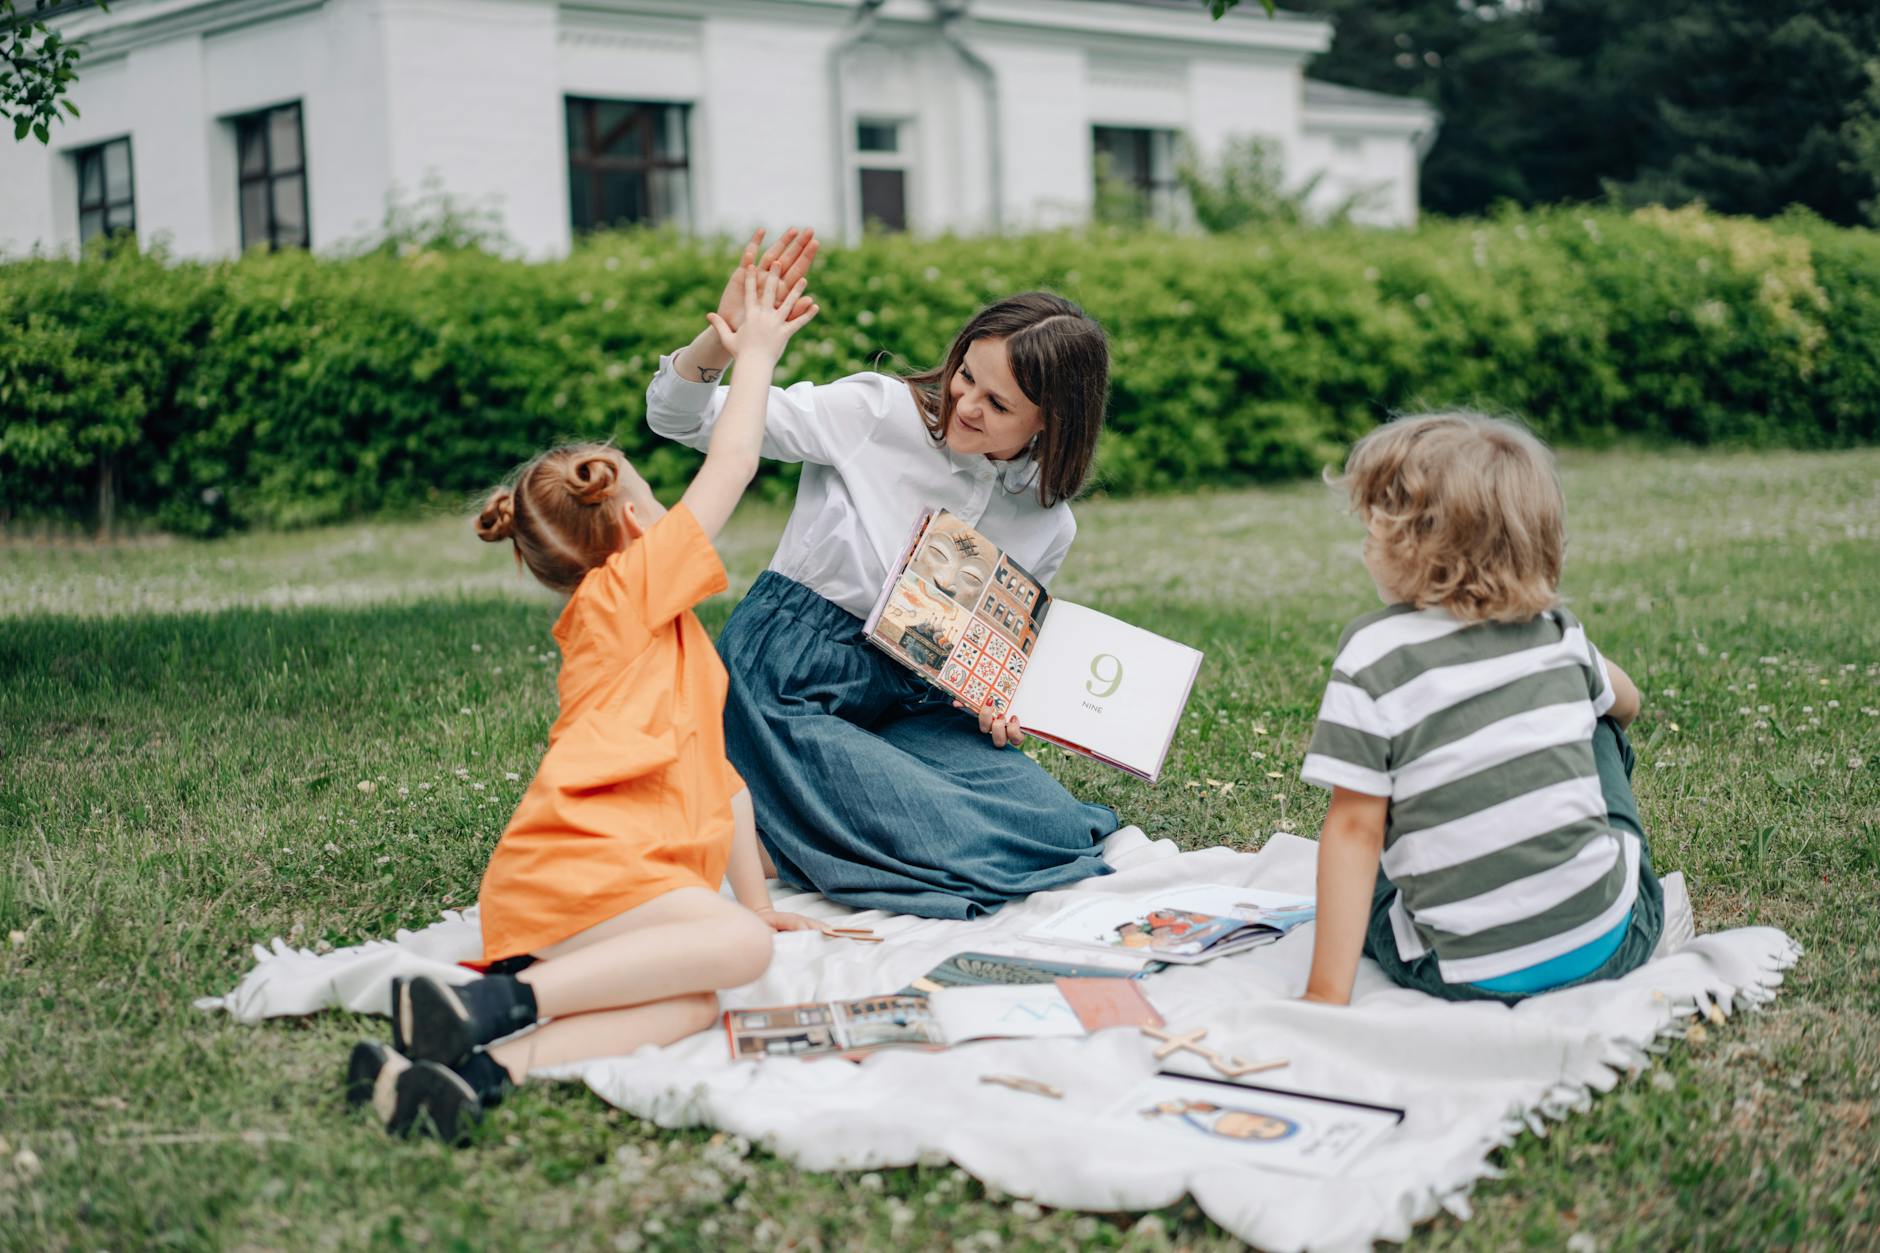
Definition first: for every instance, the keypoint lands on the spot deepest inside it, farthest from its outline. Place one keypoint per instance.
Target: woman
(869, 786)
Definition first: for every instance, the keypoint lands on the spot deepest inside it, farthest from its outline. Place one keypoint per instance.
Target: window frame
(106, 206)
(1161, 197)
(262, 120)
(596, 161)
(898, 161)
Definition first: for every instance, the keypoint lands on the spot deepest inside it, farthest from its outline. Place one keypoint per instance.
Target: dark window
(273, 178)
(626, 163)
(882, 169)
(104, 190)
(884, 199)
(1135, 172)
(877, 137)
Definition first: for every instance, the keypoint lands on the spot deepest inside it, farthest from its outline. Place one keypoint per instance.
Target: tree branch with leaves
(1219, 8)
(38, 65)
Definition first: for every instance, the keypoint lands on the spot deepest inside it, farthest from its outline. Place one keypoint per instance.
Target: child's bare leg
(605, 1033)
(687, 941)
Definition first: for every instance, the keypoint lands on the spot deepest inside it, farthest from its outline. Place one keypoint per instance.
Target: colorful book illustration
(962, 614)
(1297, 1132)
(1180, 925)
(975, 969)
(853, 1029)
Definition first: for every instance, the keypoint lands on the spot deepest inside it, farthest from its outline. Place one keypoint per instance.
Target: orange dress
(633, 797)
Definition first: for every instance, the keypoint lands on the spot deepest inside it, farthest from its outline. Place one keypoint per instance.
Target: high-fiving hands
(770, 315)
(790, 257)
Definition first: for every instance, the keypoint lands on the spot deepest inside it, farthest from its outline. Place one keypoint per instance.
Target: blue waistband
(1563, 969)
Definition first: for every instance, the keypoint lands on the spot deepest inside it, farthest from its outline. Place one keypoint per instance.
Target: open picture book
(962, 614)
(1182, 925)
(954, 1015)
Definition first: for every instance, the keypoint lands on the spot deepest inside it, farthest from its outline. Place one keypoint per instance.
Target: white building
(219, 124)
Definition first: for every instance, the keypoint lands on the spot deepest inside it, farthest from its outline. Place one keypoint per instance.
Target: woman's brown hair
(1061, 360)
(563, 512)
(1465, 513)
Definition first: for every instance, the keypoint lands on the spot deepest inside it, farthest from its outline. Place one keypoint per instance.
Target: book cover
(961, 613)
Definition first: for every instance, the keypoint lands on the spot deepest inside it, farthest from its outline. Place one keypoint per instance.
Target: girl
(600, 907)
(868, 786)
(1483, 842)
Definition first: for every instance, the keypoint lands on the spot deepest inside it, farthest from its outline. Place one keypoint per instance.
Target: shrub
(282, 390)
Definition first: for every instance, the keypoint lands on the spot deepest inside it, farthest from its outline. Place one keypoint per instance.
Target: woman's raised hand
(790, 257)
(771, 315)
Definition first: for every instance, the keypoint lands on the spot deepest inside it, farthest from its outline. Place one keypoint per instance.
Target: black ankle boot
(434, 1021)
(408, 1097)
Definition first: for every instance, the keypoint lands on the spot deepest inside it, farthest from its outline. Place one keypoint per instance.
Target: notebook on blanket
(963, 615)
(853, 1029)
(1300, 1133)
(1182, 925)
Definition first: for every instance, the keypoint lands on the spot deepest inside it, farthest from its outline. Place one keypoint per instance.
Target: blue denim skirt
(870, 787)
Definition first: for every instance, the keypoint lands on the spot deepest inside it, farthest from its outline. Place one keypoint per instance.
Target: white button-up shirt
(869, 469)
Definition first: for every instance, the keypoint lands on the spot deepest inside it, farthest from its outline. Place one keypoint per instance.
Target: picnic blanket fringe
(1622, 1060)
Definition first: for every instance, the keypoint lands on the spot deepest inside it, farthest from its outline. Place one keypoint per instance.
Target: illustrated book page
(1179, 925)
(1296, 1132)
(958, 611)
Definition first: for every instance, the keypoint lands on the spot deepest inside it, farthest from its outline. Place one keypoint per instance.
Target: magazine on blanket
(1297, 1132)
(853, 1029)
(971, 969)
(962, 614)
(1184, 925)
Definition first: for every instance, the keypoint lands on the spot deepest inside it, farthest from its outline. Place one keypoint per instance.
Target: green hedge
(284, 390)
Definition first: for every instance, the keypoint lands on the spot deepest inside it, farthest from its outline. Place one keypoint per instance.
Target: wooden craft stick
(1234, 1068)
(1022, 1083)
(849, 930)
(924, 984)
(1174, 1041)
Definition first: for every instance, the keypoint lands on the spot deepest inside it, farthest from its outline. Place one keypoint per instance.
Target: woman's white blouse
(869, 469)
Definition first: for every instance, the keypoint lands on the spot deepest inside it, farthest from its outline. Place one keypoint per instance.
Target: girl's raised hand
(791, 256)
(769, 320)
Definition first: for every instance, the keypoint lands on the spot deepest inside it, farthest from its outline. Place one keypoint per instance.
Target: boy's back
(1481, 736)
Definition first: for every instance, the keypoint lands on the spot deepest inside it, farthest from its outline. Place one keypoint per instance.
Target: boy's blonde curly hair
(1465, 513)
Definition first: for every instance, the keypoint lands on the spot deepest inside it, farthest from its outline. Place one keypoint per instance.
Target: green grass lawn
(187, 732)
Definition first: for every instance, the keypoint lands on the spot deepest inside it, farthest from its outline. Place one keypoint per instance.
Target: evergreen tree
(1749, 105)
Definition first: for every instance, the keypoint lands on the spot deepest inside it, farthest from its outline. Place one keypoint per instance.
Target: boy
(1482, 842)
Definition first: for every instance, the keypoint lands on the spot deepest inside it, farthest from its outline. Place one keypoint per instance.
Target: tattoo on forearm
(708, 375)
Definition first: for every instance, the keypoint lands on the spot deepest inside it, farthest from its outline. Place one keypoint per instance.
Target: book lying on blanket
(973, 969)
(1250, 1124)
(963, 615)
(853, 1029)
(1184, 925)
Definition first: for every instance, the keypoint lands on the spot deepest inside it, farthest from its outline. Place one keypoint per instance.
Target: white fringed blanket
(1471, 1076)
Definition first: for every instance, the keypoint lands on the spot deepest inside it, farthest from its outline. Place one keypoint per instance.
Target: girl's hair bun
(591, 479)
(498, 519)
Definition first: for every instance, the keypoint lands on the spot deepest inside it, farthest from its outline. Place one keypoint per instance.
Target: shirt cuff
(1330, 772)
(675, 394)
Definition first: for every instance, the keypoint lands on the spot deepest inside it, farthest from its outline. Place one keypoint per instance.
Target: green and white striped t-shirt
(1481, 735)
